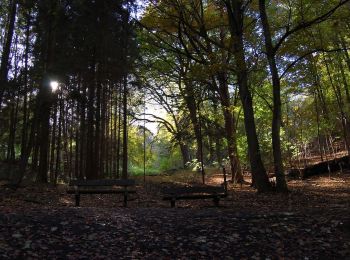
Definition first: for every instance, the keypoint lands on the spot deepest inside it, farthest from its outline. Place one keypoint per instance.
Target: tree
(235, 11)
(271, 51)
(4, 66)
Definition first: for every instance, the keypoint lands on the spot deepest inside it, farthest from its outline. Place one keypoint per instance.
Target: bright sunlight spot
(54, 86)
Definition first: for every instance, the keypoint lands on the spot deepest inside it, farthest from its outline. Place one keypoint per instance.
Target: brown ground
(312, 221)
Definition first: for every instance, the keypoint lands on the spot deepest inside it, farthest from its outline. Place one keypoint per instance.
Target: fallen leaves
(163, 233)
(310, 222)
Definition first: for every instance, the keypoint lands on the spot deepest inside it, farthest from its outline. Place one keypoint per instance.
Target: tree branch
(291, 65)
(307, 24)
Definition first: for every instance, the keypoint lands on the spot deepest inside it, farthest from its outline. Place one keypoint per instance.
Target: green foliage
(183, 50)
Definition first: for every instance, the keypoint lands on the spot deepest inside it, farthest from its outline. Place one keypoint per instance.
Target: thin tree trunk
(191, 104)
(125, 130)
(90, 139)
(201, 143)
(98, 132)
(338, 96)
(103, 135)
(83, 134)
(318, 127)
(114, 117)
(24, 132)
(53, 142)
(345, 52)
(58, 145)
(230, 127)
(119, 132)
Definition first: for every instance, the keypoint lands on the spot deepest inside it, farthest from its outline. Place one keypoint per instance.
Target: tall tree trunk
(119, 132)
(345, 52)
(77, 141)
(4, 66)
(14, 104)
(201, 143)
(53, 143)
(235, 14)
(83, 134)
(125, 130)
(318, 126)
(114, 118)
(45, 95)
(12, 130)
(58, 145)
(192, 109)
(185, 154)
(90, 139)
(103, 135)
(44, 132)
(344, 79)
(98, 132)
(191, 104)
(217, 137)
(230, 127)
(281, 184)
(339, 100)
(24, 132)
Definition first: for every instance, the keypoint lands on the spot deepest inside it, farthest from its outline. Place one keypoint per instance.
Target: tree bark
(53, 143)
(45, 96)
(339, 99)
(125, 130)
(230, 127)
(4, 66)
(119, 133)
(24, 132)
(235, 14)
(90, 138)
(281, 184)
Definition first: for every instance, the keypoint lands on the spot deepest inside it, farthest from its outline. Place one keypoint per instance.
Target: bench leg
(77, 199)
(125, 204)
(172, 202)
(216, 201)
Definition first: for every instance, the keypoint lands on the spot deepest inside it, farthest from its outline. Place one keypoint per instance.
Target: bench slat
(193, 190)
(190, 197)
(108, 186)
(107, 182)
(93, 191)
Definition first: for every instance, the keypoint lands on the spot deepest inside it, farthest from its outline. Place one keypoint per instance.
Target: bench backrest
(195, 189)
(107, 182)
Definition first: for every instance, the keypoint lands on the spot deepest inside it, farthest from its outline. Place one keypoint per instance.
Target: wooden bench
(198, 192)
(108, 186)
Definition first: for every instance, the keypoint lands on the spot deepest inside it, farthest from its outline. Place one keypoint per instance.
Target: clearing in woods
(311, 221)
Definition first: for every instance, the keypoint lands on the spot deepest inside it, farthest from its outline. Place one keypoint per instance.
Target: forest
(166, 92)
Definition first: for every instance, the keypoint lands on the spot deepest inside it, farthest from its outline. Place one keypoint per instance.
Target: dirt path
(156, 233)
(311, 222)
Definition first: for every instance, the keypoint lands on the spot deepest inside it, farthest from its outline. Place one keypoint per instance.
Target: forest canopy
(109, 89)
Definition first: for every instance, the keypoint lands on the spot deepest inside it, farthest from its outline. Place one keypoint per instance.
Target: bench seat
(192, 193)
(100, 191)
(196, 192)
(110, 186)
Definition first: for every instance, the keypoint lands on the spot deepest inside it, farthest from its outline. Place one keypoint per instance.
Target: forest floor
(310, 222)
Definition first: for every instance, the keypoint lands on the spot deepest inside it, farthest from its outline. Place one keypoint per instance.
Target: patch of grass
(138, 171)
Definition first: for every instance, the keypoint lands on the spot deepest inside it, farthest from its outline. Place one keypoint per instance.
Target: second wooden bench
(191, 193)
(196, 192)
